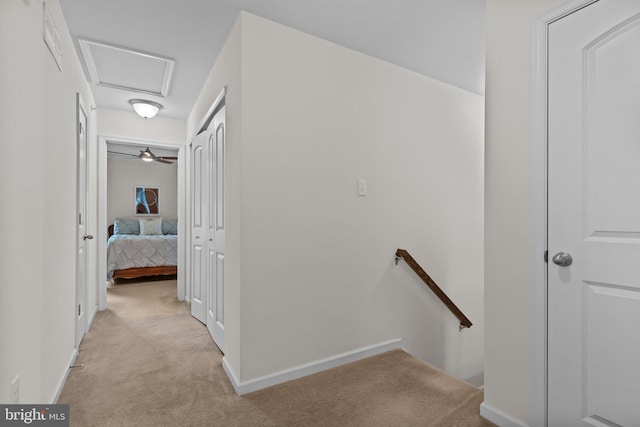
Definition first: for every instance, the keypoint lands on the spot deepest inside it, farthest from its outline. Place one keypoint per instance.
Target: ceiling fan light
(147, 155)
(144, 108)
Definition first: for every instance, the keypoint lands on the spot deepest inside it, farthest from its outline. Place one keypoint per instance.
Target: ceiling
(176, 42)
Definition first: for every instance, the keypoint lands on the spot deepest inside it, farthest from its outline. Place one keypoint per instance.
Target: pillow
(169, 226)
(126, 226)
(151, 226)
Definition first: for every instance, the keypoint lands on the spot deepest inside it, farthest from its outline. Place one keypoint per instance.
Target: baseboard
(308, 368)
(92, 318)
(498, 417)
(231, 375)
(63, 377)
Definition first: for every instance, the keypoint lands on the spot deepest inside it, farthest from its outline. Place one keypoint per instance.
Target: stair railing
(402, 254)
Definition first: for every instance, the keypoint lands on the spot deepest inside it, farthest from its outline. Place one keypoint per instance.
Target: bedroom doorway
(126, 145)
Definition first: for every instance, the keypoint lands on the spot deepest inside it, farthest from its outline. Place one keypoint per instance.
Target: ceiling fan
(148, 156)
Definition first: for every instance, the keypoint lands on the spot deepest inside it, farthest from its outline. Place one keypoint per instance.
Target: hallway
(146, 361)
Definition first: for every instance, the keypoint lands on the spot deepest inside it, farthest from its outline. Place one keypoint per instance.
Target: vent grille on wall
(52, 38)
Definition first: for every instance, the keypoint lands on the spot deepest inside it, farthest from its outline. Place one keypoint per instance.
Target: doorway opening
(106, 213)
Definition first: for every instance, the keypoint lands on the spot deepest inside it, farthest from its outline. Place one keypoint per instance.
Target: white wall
(117, 126)
(508, 229)
(318, 273)
(227, 72)
(38, 193)
(123, 175)
(128, 125)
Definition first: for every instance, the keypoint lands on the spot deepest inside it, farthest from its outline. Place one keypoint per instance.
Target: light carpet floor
(147, 362)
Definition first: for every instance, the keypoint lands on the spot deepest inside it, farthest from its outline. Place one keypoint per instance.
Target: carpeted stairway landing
(147, 362)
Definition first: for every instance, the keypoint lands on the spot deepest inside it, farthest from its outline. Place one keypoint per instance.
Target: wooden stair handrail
(403, 254)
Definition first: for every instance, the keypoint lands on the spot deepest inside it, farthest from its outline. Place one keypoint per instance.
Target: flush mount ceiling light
(144, 108)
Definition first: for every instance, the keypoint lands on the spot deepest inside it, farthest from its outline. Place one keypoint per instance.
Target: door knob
(562, 259)
(87, 237)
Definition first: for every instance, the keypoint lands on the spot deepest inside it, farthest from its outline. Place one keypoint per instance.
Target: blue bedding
(134, 251)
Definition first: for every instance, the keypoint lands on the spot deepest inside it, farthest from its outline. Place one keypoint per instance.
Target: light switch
(362, 187)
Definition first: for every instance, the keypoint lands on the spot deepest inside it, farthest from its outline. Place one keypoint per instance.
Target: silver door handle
(562, 259)
(87, 237)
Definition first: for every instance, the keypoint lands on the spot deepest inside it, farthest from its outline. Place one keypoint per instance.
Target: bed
(131, 255)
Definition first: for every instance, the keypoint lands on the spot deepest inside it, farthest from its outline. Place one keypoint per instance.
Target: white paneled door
(594, 216)
(81, 215)
(199, 191)
(215, 234)
(208, 225)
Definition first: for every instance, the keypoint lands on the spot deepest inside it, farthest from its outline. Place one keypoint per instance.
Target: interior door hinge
(78, 309)
(546, 256)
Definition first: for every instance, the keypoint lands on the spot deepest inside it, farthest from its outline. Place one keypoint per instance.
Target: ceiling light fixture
(144, 108)
(146, 155)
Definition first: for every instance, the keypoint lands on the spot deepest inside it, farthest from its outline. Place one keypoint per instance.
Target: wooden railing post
(403, 254)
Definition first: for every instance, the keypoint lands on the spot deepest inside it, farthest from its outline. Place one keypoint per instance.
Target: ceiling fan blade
(124, 154)
(166, 158)
(161, 160)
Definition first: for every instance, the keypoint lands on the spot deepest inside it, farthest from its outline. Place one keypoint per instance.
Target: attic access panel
(127, 69)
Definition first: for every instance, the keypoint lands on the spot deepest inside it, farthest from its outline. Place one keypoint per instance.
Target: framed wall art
(147, 200)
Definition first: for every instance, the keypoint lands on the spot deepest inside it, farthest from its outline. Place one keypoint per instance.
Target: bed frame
(132, 273)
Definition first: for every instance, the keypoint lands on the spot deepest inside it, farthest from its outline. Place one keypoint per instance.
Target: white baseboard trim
(231, 375)
(308, 368)
(63, 377)
(498, 417)
(92, 318)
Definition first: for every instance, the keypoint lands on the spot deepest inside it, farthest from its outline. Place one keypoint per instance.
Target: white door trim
(539, 54)
(102, 210)
(208, 116)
